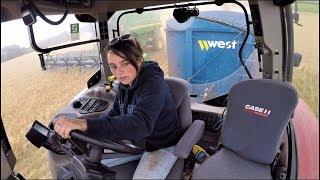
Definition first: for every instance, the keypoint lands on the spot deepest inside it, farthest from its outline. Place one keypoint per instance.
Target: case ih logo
(205, 44)
(257, 110)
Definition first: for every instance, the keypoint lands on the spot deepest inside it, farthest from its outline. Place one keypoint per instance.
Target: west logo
(205, 44)
(257, 110)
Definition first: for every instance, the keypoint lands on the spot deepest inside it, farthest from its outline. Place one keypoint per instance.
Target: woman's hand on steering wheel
(64, 125)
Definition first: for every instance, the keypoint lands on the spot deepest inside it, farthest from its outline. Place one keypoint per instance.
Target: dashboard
(90, 105)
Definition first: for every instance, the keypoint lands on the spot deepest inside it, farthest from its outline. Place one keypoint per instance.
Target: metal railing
(88, 58)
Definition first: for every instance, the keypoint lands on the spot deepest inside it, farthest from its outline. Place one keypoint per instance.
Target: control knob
(76, 104)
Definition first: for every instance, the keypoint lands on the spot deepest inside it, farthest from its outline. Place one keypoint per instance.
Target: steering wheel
(106, 144)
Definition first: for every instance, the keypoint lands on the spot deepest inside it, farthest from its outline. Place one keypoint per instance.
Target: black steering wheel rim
(106, 144)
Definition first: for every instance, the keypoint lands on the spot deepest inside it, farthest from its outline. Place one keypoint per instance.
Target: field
(29, 94)
(307, 6)
(306, 76)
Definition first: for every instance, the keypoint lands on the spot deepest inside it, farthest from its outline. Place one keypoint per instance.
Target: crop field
(306, 76)
(307, 6)
(28, 93)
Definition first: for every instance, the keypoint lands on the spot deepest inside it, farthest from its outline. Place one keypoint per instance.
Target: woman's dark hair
(127, 47)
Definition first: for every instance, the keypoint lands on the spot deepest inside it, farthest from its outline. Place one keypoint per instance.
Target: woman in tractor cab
(144, 111)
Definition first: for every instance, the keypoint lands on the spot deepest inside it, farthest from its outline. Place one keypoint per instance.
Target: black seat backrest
(258, 111)
(180, 94)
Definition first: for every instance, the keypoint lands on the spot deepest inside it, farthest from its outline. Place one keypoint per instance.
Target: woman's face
(122, 69)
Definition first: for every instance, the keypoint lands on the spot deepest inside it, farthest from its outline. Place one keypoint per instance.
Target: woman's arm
(115, 111)
(64, 125)
(140, 123)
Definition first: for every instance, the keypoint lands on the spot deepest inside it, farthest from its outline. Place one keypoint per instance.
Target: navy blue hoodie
(144, 113)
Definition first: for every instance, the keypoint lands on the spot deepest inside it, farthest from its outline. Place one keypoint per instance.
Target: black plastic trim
(292, 171)
(105, 143)
(48, 50)
(6, 147)
(85, 18)
(282, 3)
(94, 79)
(256, 20)
(288, 43)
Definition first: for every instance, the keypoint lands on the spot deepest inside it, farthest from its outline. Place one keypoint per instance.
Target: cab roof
(11, 9)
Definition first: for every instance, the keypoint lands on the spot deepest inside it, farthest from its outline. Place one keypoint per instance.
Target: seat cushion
(126, 171)
(177, 170)
(226, 164)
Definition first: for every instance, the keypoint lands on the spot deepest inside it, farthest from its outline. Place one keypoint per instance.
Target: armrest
(189, 138)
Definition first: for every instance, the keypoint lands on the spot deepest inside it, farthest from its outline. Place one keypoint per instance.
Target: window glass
(306, 42)
(202, 50)
(29, 93)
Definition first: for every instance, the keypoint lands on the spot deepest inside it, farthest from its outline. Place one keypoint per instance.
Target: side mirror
(297, 57)
(295, 17)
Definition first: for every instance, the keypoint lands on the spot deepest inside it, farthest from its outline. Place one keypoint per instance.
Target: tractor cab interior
(232, 129)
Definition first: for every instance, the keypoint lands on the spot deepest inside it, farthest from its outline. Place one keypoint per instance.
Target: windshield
(204, 50)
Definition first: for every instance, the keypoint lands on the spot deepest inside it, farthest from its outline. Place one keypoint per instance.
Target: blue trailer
(204, 50)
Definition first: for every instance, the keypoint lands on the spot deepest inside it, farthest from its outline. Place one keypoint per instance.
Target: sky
(16, 32)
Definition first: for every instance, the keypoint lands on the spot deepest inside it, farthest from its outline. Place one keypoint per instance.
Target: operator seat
(258, 112)
(192, 131)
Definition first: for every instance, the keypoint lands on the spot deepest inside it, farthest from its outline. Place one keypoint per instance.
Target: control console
(90, 105)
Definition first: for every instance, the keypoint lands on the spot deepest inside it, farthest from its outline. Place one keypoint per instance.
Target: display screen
(41, 129)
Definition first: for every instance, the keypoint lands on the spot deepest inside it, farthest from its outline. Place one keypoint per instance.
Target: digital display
(44, 131)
